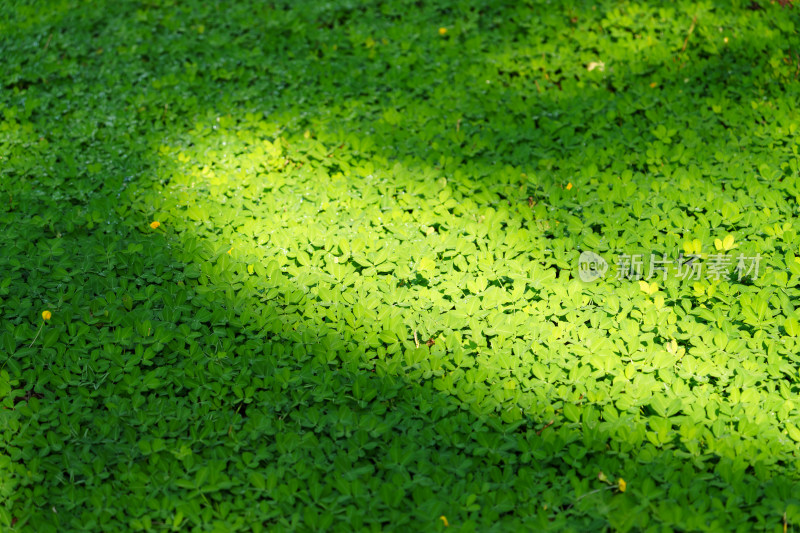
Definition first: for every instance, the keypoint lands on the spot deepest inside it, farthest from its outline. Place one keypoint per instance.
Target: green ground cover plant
(306, 266)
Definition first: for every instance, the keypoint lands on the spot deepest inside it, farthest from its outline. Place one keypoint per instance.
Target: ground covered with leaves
(305, 266)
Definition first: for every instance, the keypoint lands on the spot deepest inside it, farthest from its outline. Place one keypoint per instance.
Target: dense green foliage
(361, 309)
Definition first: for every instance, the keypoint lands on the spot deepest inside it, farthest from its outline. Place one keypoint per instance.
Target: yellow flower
(442, 31)
(155, 224)
(569, 186)
(443, 518)
(229, 251)
(46, 315)
(622, 485)
(653, 85)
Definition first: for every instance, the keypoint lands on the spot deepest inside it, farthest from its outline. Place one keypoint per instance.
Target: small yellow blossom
(443, 518)
(442, 31)
(622, 485)
(46, 315)
(229, 251)
(569, 186)
(155, 224)
(653, 85)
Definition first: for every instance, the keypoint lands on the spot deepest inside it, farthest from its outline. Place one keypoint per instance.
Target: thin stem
(579, 498)
(37, 334)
